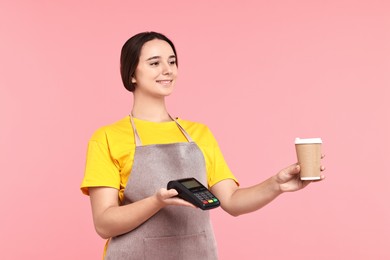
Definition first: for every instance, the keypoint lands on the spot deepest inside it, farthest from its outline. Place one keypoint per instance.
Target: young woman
(130, 162)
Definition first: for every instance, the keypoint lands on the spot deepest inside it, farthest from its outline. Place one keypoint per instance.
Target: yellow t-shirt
(111, 149)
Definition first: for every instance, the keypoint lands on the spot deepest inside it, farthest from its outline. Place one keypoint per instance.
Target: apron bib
(175, 232)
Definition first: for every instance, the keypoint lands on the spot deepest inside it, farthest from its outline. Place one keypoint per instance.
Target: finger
(166, 194)
(288, 173)
(179, 202)
(172, 192)
(294, 169)
(322, 156)
(291, 170)
(323, 168)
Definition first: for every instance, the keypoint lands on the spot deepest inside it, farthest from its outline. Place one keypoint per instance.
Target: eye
(172, 62)
(156, 63)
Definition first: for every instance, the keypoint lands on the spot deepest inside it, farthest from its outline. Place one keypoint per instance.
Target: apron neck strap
(136, 136)
(138, 139)
(188, 137)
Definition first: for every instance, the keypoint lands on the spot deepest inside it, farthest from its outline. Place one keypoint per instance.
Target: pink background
(258, 73)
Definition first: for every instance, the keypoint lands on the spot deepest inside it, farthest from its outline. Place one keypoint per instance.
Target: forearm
(245, 200)
(237, 201)
(117, 220)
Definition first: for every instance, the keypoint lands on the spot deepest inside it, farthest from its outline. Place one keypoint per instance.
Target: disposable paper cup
(309, 157)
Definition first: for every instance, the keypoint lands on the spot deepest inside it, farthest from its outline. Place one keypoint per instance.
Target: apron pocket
(186, 247)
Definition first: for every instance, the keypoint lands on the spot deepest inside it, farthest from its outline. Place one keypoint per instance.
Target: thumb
(163, 193)
(296, 169)
(289, 172)
(292, 169)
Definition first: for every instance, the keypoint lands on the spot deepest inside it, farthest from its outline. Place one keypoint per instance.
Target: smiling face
(156, 72)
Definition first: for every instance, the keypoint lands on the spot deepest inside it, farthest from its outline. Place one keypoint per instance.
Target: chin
(167, 91)
(167, 94)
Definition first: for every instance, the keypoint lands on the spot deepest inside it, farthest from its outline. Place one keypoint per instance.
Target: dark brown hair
(131, 51)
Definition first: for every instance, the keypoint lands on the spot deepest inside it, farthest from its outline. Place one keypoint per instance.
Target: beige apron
(175, 232)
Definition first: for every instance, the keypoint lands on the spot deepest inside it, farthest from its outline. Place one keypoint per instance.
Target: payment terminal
(194, 192)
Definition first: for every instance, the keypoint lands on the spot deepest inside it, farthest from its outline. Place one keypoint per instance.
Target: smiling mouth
(164, 82)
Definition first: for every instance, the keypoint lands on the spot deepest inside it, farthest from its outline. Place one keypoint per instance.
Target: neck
(150, 109)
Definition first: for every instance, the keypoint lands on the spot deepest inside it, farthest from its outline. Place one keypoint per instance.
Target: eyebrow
(158, 57)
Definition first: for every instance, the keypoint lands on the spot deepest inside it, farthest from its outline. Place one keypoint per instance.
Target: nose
(167, 70)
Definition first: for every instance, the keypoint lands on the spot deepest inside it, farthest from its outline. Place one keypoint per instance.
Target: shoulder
(114, 130)
(192, 126)
(200, 132)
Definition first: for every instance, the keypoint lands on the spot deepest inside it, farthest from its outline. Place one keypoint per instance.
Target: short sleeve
(218, 169)
(100, 168)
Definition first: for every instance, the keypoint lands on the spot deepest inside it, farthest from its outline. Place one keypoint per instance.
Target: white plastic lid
(308, 141)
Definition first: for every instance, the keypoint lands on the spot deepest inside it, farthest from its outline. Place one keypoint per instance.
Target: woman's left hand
(289, 179)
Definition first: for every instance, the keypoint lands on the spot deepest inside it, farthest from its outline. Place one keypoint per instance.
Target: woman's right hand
(111, 219)
(168, 197)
